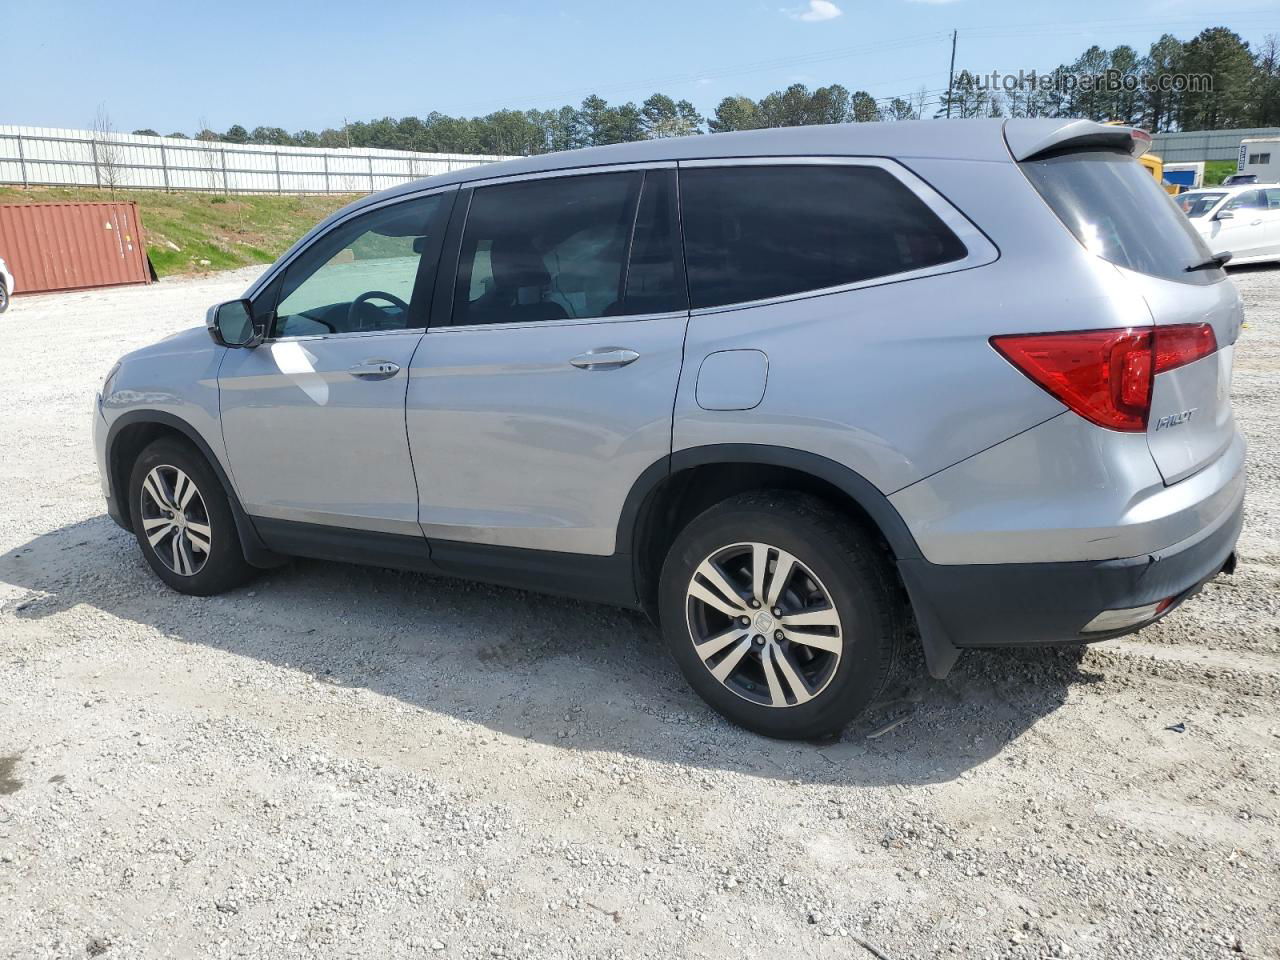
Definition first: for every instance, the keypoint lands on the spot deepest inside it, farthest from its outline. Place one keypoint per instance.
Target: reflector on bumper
(1110, 620)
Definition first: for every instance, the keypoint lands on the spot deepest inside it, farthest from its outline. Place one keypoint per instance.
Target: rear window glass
(1117, 210)
(756, 232)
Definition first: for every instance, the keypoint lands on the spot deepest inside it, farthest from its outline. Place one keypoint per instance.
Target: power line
(739, 69)
(1009, 31)
(988, 32)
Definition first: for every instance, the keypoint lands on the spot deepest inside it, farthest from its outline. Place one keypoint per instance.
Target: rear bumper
(1017, 604)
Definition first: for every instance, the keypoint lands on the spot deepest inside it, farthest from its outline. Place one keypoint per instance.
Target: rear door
(1271, 216)
(1247, 232)
(1120, 214)
(534, 410)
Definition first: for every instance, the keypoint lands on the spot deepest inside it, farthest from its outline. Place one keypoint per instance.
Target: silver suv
(790, 392)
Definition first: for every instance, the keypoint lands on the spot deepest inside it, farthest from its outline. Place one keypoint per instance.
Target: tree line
(1243, 88)
(1244, 92)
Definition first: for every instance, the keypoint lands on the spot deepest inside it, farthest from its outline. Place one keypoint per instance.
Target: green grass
(1215, 171)
(200, 232)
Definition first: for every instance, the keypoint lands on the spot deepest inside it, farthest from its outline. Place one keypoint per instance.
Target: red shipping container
(69, 246)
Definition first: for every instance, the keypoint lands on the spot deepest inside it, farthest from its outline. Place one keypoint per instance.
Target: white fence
(44, 156)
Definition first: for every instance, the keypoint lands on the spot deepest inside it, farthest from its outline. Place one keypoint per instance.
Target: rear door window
(1118, 212)
(760, 231)
(655, 270)
(1249, 200)
(572, 247)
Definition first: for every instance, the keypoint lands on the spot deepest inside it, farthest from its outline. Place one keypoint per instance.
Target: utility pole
(346, 129)
(951, 74)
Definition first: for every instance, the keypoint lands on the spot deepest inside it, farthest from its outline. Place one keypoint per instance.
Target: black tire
(4, 298)
(223, 566)
(851, 574)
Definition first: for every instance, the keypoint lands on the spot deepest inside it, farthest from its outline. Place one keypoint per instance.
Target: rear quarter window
(762, 231)
(1118, 212)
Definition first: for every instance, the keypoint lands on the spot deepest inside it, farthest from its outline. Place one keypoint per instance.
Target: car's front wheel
(183, 520)
(4, 297)
(781, 613)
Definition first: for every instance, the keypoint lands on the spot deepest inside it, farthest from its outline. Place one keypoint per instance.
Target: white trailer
(1188, 176)
(1261, 157)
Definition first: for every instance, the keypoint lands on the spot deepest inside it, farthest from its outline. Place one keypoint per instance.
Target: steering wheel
(355, 313)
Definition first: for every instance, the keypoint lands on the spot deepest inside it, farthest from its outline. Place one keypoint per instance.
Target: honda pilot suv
(798, 394)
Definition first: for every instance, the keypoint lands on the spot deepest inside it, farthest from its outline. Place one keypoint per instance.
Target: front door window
(364, 275)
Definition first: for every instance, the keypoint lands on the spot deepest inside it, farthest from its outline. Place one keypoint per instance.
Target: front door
(534, 411)
(313, 419)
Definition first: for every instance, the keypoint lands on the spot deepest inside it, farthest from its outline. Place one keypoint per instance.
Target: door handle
(1254, 223)
(605, 359)
(374, 370)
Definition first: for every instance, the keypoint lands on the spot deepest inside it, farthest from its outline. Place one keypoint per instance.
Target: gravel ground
(338, 761)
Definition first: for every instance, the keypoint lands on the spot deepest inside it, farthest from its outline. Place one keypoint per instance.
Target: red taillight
(1183, 344)
(1105, 375)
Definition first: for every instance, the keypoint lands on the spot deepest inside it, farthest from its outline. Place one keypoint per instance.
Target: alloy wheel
(175, 520)
(763, 624)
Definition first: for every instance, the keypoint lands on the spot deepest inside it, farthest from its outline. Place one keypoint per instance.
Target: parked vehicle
(1260, 158)
(1151, 162)
(1237, 179)
(1157, 167)
(1183, 176)
(784, 390)
(1242, 221)
(6, 286)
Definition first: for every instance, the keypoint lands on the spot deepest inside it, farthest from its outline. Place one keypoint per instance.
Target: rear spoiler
(1030, 140)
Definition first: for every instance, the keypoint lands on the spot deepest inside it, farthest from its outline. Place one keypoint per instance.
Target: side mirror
(1225, 215)
(232, 324)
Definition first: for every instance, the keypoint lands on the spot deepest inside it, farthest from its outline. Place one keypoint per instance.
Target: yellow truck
(1154, 165)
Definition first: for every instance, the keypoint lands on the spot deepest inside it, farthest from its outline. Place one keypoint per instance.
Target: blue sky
(308, 65)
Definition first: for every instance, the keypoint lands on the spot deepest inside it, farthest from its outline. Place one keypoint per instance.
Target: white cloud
(816, 11)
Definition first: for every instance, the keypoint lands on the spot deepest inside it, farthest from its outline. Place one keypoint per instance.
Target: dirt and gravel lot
(337, 761)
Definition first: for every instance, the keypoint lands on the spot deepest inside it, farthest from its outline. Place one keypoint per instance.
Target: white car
(6, 286)
(1242, 220)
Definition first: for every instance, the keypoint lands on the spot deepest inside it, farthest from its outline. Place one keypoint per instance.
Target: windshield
(1116, 209)
(1198, 204)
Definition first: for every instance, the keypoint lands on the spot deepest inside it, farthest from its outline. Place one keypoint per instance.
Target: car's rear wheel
(4, 297)
(183, 521)
(781, 613)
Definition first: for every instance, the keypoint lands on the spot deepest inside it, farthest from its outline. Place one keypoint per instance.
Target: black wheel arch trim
(858, 488)
(940, 653)
(255, 551)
